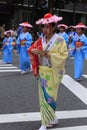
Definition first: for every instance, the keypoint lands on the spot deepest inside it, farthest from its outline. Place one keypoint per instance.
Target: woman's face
(8, 34)
(47, 29)
(25, 29)
(79, 31)
(61, 29)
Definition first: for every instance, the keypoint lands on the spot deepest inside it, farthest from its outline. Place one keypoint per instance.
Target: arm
(28, 40)
(59, 56)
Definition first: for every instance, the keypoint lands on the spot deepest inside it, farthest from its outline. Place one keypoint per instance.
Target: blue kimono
(7, 50)
(22, 50)
(79, 55)
(65, 36)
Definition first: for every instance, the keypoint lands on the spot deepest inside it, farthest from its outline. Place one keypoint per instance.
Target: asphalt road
(19, 94)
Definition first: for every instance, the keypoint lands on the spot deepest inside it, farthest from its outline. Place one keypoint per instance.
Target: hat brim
(9, 31)
(26, 25)
(80, 26)
(53, 19)
(62, 25)
(72, 27)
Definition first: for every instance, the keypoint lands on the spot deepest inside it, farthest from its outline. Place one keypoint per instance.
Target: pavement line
(76, 88)
(35, 116)
(85, 76)
(14, 70)
(8, 67)
(72, 128)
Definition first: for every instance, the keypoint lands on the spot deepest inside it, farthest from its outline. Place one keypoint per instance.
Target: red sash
(34, 58)
(78, 44)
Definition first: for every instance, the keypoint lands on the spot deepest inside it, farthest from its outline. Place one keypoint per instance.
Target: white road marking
(85, 76)
(35, 116)
(72, 128)
(8, 67)
(12, 70)
(76, 88)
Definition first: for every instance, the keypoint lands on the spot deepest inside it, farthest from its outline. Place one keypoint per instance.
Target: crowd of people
(46, 57)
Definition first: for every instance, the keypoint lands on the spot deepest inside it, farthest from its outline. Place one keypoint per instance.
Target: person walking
(79, 50)
(62, 32)
(51, 52)
(24, 41)
(7, 47)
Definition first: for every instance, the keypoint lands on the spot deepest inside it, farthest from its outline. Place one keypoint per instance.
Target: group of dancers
(47, 57)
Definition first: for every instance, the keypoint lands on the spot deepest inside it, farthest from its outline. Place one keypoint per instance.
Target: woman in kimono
(52, 53)
(71, 33)
(24, 41)
(7, 47)
(79, 50)
(62, 32)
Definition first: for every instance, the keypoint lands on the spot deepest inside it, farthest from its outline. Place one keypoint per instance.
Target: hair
(82, 29)
(54, 25)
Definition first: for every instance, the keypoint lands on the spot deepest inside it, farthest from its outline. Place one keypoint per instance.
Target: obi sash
(78, 44)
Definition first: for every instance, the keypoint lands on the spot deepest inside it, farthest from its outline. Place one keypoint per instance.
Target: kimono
(22, 50)
(7, 50)
(50, 73)
(71, 35)
(65, 36)
(79, 53)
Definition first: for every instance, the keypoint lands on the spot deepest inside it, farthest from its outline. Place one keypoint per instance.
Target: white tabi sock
(43, 127)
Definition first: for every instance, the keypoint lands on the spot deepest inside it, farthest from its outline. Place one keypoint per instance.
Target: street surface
(19, 105)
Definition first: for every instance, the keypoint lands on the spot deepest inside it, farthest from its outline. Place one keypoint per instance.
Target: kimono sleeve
(28, 40)
(66, 37)
(84, 47)
(18, 44)
(9, 45)
(58, 57)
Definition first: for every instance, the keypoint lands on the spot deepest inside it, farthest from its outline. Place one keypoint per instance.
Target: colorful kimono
(65, 36)
(7, 50)
(22, 50)
(51, 71)
(79, 54)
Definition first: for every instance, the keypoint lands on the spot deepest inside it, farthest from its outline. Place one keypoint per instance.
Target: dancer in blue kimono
(72, 33)
(7, 47)
(79, 50)
(62, 32)
(24, 41)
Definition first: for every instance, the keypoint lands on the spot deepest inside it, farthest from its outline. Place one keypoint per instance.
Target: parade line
(76, 88)
(35, 116)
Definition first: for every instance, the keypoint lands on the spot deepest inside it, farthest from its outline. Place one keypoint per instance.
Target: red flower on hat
(48, 15)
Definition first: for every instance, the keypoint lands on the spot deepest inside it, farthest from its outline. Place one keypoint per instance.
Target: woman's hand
(35, 51)
(47, 54)
(78, 48)
(6, 43)
(71, 49)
